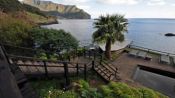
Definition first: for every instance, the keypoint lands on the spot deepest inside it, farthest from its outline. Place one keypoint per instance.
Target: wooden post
(101, 59)
(69, 57)
(94, 54)
(84, 51)
(93, 65)
(66, 74)
(45, 68)
(77, 70)
(85, 72)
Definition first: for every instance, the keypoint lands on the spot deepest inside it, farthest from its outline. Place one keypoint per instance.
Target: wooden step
(105, 69)
(104, 73)
(110, 68)
(28, 92)
(20, 78)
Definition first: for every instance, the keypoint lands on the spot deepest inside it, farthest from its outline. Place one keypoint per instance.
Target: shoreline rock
(169, 34)
(49, 23)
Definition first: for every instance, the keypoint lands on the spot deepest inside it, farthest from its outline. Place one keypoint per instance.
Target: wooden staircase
(25, 88)
(106, 71)
(13, 83)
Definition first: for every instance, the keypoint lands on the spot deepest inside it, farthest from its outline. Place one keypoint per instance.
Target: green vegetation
(109, 30)
(53, 40)
(13, 30)
(15, 5)
(10, 5)
(82, 89)
(33, 10)
(41, 19)
(25, 12)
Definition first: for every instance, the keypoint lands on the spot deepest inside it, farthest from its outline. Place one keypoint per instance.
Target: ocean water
(148, 33)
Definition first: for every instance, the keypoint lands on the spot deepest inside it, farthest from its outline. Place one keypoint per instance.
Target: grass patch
(40, 19)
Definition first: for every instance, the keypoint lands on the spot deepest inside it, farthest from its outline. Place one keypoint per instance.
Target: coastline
(49, 23)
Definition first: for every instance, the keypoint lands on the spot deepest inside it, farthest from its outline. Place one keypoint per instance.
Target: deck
(127, 65)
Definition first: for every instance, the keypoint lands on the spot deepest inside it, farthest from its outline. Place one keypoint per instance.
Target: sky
(129, 8)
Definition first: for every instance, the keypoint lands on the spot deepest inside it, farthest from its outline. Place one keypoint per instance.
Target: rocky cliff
(59, 10)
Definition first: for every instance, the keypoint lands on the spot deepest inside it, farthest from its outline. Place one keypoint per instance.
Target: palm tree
(109, 30)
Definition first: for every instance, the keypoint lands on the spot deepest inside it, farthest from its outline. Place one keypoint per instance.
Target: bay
(148, 33)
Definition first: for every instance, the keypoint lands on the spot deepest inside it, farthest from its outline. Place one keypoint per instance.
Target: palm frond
(110, 27)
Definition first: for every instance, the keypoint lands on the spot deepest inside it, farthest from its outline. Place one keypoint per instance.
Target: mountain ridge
(59, 10)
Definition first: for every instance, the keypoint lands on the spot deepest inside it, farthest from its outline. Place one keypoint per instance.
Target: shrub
(13, 30)
(87, 92)
(112, 90)
(53, 40)
(148, 93)
(68, 94)
(106, 91)
(42, 56)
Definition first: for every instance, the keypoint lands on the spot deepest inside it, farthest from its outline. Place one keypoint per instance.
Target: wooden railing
(45, 64)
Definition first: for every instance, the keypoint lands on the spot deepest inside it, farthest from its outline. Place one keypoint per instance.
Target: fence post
(69, 57)
(93, 65)
(94, 54)
(66, 74)
(85, 72)
(77, 69)
(84, 51)
(45, 68)
(101, 59)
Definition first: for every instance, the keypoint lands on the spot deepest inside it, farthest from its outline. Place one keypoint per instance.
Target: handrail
(43, 66)
(115, 70)
(149, 50)
(26, 48)
(107, 75)
(37, 59)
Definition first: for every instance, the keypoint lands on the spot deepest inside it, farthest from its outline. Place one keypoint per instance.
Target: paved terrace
(127, 65)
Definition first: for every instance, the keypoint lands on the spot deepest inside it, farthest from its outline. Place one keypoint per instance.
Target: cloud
(118, 2)
(84, 7)
(75, 1)
(156, 2)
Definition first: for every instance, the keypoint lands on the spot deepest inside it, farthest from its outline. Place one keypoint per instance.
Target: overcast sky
(130, 8)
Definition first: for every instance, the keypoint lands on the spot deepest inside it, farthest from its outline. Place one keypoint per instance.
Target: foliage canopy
(53, 40)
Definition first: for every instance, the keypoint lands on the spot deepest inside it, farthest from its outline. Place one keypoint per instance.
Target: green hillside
(26, 12)
(10, 5)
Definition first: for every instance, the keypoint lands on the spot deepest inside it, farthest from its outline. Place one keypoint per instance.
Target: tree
(110, 29)
(53, 40)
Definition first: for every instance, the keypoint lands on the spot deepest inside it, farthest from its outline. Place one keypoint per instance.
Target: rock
(59, 10)
(169, 34)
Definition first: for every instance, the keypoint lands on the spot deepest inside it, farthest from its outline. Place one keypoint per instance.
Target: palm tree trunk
(108, 49)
